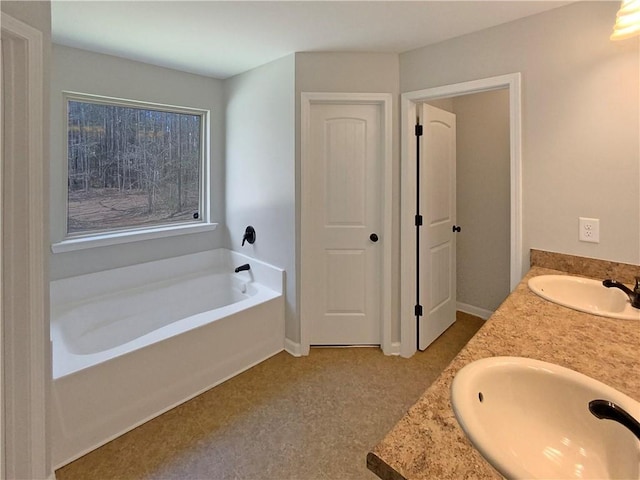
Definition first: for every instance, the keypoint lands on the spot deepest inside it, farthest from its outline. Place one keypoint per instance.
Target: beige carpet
(308, 418)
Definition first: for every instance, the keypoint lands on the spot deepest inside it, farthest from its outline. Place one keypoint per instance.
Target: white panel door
(342, 256)
(438, 207)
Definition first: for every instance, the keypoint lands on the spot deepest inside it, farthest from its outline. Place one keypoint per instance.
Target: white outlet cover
(589, 230)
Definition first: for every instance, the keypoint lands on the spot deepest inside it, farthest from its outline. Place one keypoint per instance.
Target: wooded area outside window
(133, 165)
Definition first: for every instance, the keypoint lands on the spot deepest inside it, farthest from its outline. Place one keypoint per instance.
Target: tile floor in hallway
(308, 418)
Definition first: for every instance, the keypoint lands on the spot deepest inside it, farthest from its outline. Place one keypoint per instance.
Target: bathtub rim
(219, 260)
(74, 288)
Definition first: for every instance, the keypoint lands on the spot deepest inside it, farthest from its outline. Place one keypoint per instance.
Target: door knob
(456, 228)
(373, 237)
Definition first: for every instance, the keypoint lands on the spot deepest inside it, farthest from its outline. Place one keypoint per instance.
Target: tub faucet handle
(249, 235)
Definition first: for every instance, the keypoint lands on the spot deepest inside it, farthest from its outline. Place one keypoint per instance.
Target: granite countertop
(427, 443)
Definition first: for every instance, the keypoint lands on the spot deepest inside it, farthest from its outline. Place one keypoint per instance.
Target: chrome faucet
(634, 295)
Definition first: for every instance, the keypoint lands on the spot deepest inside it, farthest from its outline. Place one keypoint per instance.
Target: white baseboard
(394, 349)
(471, 310)
(293, 348)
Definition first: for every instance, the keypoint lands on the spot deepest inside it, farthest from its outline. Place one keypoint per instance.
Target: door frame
(409, 100)
(384, 100)
(25, 45)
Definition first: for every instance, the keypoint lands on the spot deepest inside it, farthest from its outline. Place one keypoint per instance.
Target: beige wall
(37, 14)
(353, 72)
(580, 120)
(483, 197)
(445, 104)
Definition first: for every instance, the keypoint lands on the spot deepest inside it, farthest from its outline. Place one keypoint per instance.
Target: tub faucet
(634, 295)
(242, 268)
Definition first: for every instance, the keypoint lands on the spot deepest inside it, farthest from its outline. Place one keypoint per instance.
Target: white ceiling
(223, 38)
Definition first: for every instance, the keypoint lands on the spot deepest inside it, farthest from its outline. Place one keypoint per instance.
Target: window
(133, 165)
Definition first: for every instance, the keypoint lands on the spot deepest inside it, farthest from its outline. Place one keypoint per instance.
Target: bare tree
(126, 151)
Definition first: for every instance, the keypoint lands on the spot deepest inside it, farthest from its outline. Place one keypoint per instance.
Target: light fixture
(627, 20)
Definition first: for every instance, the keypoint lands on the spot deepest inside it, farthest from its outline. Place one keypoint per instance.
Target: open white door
(342, 221)
(437, 264)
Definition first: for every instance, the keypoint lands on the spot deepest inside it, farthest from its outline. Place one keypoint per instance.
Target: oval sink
(531, 419)
(584, 295)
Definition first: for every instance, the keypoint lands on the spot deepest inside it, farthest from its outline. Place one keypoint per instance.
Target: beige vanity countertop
(427, 442)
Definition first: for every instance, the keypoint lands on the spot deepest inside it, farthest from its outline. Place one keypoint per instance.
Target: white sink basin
(530, 419)
(585, 295)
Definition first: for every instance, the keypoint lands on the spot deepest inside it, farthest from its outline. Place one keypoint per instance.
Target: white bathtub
(131, 343)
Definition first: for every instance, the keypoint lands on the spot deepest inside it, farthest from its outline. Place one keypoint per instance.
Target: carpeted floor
(308, 418)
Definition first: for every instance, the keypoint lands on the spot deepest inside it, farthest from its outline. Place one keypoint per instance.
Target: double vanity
(531, 369)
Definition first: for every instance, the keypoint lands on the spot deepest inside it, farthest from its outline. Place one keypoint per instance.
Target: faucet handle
(637, 287)
(249, 235)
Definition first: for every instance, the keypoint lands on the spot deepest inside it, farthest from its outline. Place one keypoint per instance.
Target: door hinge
(418, 220)
(418, 310)
(418, 130)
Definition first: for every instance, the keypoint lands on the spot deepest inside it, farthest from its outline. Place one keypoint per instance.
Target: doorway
(410, 104)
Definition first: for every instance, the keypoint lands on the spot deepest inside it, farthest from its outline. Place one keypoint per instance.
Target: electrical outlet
(589, 230)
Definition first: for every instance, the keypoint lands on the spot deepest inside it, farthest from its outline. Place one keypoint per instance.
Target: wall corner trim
(293, 348)
(28, 359)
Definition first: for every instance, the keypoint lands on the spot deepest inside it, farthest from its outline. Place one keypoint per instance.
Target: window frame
(78, 241)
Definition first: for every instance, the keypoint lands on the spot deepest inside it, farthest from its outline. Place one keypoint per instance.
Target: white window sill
(117, 238)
